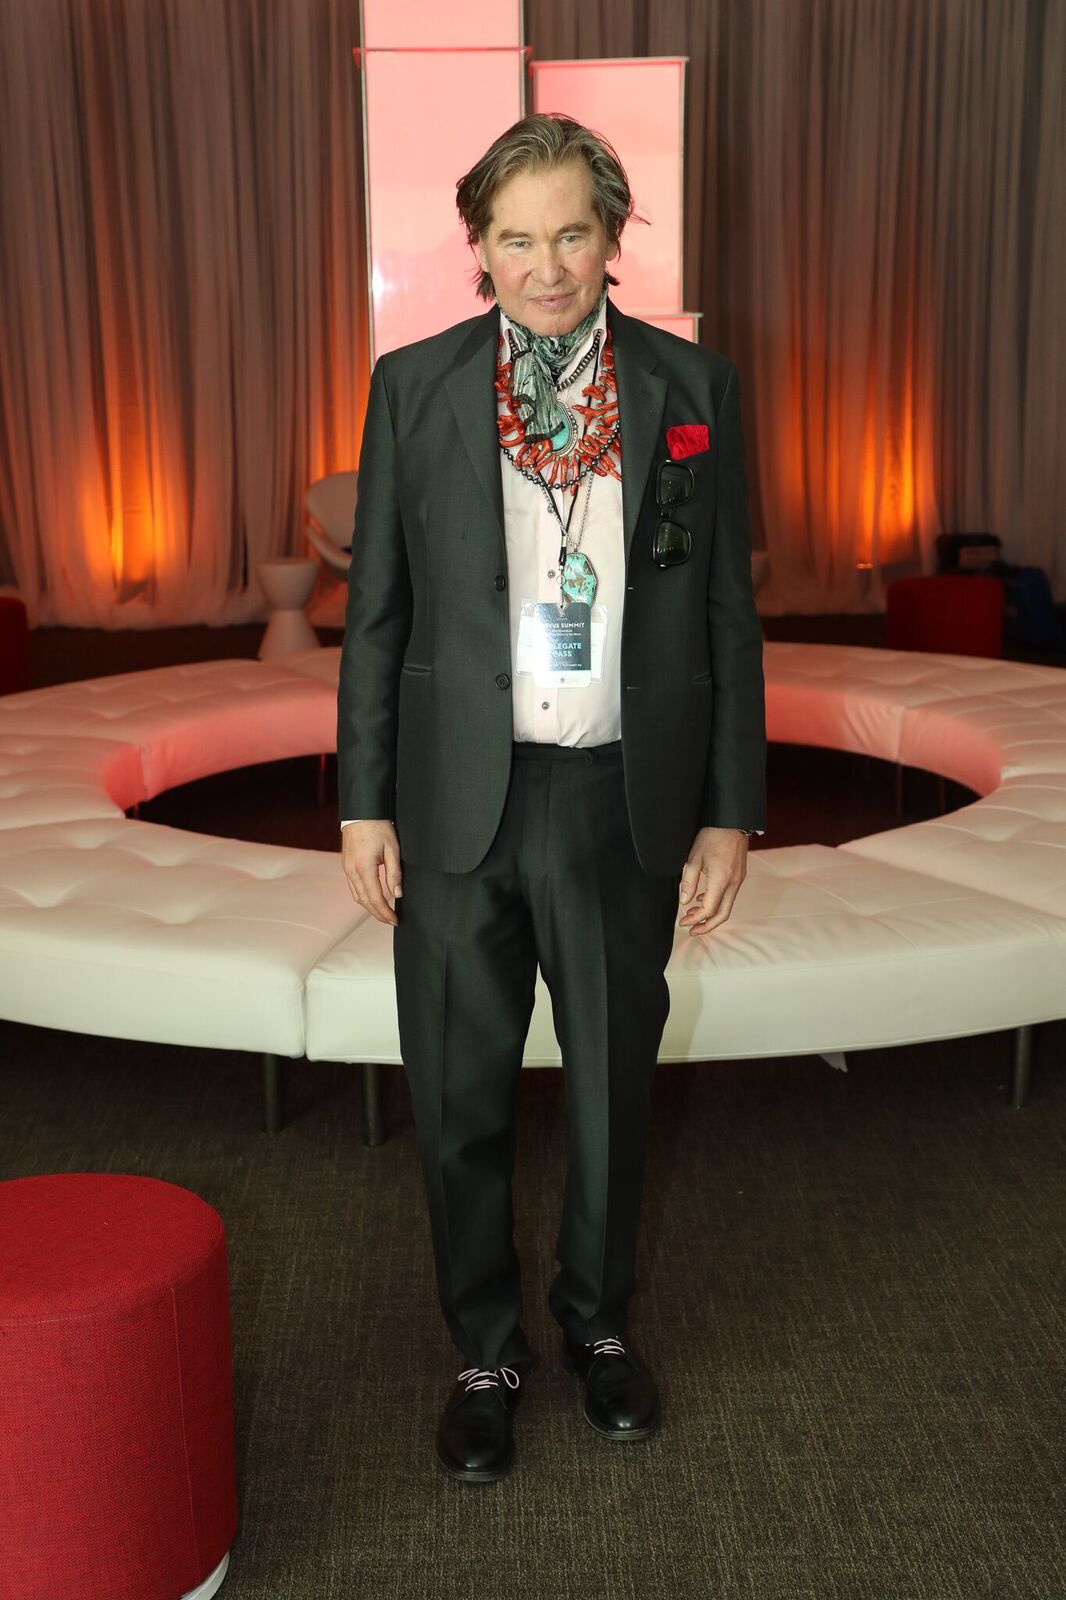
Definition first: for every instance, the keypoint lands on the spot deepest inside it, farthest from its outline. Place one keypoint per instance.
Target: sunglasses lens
(675, 485)
(672, 544)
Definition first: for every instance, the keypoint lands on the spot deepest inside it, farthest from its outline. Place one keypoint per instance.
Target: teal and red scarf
(539, 361)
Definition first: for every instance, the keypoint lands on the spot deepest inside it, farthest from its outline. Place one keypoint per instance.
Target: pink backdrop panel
(427, 25)
(417, 147)
(638, 106)
(686, 324)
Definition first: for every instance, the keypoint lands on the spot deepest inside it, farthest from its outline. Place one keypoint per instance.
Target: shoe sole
(475, 1475)
(617, 1435)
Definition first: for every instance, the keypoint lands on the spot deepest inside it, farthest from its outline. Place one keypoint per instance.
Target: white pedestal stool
(287, 582)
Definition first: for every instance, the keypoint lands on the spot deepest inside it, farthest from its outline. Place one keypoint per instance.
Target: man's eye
(516, 244)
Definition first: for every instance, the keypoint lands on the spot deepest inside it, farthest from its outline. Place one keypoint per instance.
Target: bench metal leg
(373, 1124)
(1023, 1062)
(273, 1118)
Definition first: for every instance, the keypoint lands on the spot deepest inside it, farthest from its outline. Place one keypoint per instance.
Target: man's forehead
(518, 204)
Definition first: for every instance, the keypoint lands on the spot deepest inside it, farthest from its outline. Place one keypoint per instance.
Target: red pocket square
(687, 438)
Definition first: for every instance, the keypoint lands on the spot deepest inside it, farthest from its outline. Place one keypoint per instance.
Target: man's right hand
(370, 855)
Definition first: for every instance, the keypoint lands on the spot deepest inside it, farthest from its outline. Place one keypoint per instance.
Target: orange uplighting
(101, 553)
(851, 463)
(135, 545)
(886, 524)
(135, 548)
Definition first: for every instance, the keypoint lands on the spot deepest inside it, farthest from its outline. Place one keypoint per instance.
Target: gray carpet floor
(850, 1287)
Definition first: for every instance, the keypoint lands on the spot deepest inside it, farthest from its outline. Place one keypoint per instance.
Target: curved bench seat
(823, 953)
(943, 928)
(851, 697)
(1011, 843)
(51, 778)
(187, 721)
(983, 739)
(138, 931)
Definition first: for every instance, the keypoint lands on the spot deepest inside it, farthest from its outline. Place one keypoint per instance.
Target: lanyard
(564, 528)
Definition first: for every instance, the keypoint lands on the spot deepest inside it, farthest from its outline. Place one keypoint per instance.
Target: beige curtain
(875, 233)
(183, 306)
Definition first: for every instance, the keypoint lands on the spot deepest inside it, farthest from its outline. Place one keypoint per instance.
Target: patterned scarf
(539, 361)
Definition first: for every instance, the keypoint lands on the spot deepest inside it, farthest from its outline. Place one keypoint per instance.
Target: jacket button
(502, 680)
(500, 581)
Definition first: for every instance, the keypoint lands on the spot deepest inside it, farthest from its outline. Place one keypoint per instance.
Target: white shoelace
(608, 1347)
(482, 1378)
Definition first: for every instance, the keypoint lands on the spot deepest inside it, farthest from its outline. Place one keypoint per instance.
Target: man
(550, 728)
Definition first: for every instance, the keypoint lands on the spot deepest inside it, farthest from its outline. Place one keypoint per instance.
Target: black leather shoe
(621, 1400)
(475, 1441)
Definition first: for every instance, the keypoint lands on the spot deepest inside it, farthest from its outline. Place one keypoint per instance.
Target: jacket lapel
(471, 390)
(641, 401)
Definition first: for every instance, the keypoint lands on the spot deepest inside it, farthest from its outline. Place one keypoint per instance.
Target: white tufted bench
(132, 930)
(52, 778)
(144, 932)
(829, 950)
(941, 929)
(187, 721)
(824, 952)
(851, 697)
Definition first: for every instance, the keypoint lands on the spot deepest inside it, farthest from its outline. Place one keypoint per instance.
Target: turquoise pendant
(579, 579)
(564, 435)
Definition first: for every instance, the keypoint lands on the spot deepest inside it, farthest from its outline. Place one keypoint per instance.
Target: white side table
(287, 582)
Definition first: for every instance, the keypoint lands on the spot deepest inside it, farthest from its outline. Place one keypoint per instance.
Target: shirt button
(551, 572)
(545, 705)
(500, 581)
(502, 680)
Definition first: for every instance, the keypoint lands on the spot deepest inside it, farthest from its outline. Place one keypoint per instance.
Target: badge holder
(562, 646)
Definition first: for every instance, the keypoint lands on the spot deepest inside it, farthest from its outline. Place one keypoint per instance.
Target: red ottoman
(117, 1473)
(942, 612)
(14, 645)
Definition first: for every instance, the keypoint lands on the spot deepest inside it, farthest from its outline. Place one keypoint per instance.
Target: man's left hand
(721, 855)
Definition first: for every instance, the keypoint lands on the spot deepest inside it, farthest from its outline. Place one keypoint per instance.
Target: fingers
(690, 877)
(713, 907)
(372, 895)
(371, 866)
(712, 915)
(393, 875)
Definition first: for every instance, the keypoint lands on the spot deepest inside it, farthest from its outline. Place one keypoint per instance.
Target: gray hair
(541, 140)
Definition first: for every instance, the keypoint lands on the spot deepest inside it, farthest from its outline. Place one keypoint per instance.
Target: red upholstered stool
(116, 1414)
(14, 645)
(960, 616)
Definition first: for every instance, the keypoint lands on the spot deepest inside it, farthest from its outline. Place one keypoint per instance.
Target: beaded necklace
(597, 452)
(598, 449)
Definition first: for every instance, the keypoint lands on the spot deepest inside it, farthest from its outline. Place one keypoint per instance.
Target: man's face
(545, 248)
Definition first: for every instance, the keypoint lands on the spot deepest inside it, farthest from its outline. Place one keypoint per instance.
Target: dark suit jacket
(424, 725)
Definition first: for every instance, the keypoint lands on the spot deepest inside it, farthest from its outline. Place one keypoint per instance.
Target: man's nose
(550, 270)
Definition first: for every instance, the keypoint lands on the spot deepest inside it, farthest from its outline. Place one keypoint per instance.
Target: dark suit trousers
(560, 885)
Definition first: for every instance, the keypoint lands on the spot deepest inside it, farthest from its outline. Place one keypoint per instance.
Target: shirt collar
(579, 350)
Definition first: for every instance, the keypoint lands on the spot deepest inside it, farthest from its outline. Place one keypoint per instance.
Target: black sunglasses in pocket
(674, 484)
